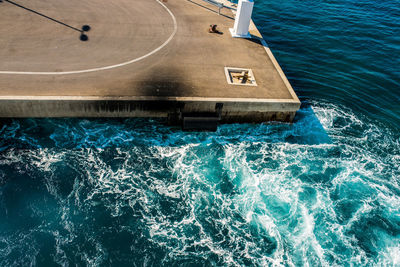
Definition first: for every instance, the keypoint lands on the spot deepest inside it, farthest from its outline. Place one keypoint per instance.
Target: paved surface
(140, 34)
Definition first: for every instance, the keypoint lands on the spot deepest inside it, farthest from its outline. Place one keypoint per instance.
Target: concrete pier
(141, 59)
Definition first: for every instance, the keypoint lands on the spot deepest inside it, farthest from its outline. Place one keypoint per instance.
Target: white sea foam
(239, 196)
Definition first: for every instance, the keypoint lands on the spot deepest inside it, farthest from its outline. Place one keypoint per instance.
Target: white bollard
(242, 20)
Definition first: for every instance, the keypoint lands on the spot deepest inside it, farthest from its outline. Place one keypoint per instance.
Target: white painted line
(106, 67)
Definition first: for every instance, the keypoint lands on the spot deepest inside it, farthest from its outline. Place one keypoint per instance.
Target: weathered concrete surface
(186, 75)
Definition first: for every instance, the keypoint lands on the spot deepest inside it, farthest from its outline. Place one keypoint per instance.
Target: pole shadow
(85, 28)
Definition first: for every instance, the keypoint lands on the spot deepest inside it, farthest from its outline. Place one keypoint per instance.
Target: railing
(219, 5)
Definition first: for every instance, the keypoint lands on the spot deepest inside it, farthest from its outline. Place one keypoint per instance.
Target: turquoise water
(323, 191)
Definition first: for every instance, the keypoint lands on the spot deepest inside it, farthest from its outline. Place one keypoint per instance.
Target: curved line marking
(106, 67)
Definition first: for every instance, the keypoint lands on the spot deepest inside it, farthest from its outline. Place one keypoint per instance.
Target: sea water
(323, 191)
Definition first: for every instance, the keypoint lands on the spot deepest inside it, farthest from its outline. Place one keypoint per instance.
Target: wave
(322, 191)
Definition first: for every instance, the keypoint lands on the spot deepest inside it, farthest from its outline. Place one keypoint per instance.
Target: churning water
(322, 191)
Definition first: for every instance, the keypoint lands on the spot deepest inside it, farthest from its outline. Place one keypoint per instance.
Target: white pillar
(242, 20)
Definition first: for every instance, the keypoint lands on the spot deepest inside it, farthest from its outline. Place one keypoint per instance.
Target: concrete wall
(229, 112)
